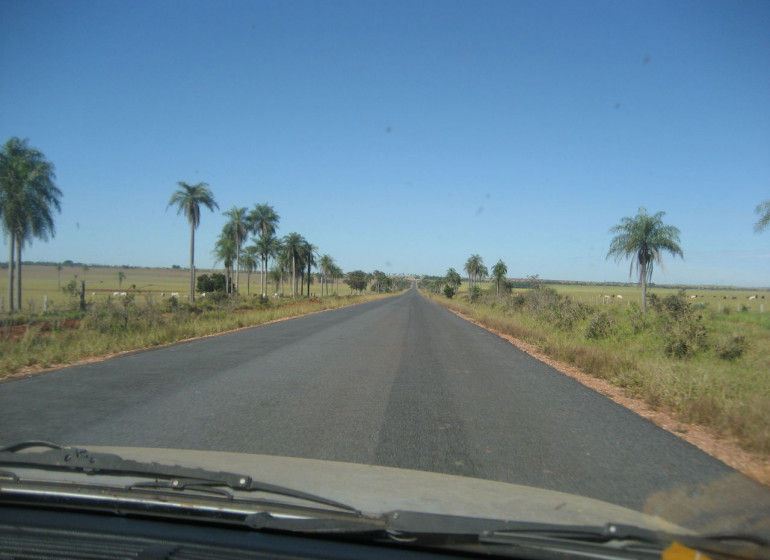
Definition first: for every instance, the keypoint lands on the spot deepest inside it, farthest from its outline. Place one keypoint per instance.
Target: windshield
(524, 242)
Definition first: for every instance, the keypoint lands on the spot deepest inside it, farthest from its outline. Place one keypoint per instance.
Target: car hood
(377, 490)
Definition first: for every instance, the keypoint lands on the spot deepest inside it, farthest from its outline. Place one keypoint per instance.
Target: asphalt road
(398, 382)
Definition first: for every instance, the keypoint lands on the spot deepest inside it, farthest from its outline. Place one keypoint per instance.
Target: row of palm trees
(29, 198)
(293, 253)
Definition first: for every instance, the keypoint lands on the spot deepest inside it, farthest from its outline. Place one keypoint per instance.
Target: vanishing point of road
(398, 382)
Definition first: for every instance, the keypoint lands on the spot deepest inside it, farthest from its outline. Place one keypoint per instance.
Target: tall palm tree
(250, 260)
(499, 271)
(224, 252)
(763, 210)
(469, 268)
(325, 263)
(292, 248)
(238, 226)
(264, 221)
(642, 239)
(28, 197)
(267, 246)
(309, 252)
(475, 268)
(188, 200)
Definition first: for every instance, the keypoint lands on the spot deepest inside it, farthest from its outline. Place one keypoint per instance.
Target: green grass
(731, 396)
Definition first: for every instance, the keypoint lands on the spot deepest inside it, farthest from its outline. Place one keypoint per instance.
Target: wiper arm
(174, 477)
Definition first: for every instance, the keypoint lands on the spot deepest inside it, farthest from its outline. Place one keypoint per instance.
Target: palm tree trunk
(11, 250)
(293, 276)
(237, 269)
(192, 263)
(18, 275)
(643, 278)
(262, 283)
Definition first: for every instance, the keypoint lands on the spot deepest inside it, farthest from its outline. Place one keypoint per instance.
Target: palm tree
(28, 197)
(499, 271)
(336, 273)
(325, 263)
(224, 252)
(763, 210)
(453, 278)
(267, 246)
(188, 200)
(250, 260)
(263, 221)
(475, 268)
(643, 238)
(292, 248)
(309, 252)
(237, 225)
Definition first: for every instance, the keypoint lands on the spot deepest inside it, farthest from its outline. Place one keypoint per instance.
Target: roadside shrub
(170, 305)
(732, 348)
(682, 328)
(474, 294)
(636, 320)
(599, 326)
(449, 291)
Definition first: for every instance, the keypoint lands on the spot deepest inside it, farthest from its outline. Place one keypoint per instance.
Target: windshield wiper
(172, 477)
(424, 528)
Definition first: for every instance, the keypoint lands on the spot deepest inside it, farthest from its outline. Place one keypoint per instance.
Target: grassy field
(102, 282)
(705, 359)
(716, 298)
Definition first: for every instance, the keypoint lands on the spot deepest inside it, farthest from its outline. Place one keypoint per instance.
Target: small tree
(357, 280)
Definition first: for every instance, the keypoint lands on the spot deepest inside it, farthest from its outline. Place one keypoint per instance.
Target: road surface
(398, 382)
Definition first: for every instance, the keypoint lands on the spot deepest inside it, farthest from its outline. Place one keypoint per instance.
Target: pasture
(102, 282)
(727, 300)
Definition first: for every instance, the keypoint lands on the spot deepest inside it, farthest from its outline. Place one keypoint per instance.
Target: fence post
(45, 304)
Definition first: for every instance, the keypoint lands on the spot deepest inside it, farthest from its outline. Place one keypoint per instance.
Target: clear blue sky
(401, 136)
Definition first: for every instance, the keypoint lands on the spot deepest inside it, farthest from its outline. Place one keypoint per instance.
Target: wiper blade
(405, 525)
(172, 477)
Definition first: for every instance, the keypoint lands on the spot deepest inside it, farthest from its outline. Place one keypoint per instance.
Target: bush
(732, 348)
(474, 294)
(599, 327)
(682, 328)
(449, 291)
(170, 305)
